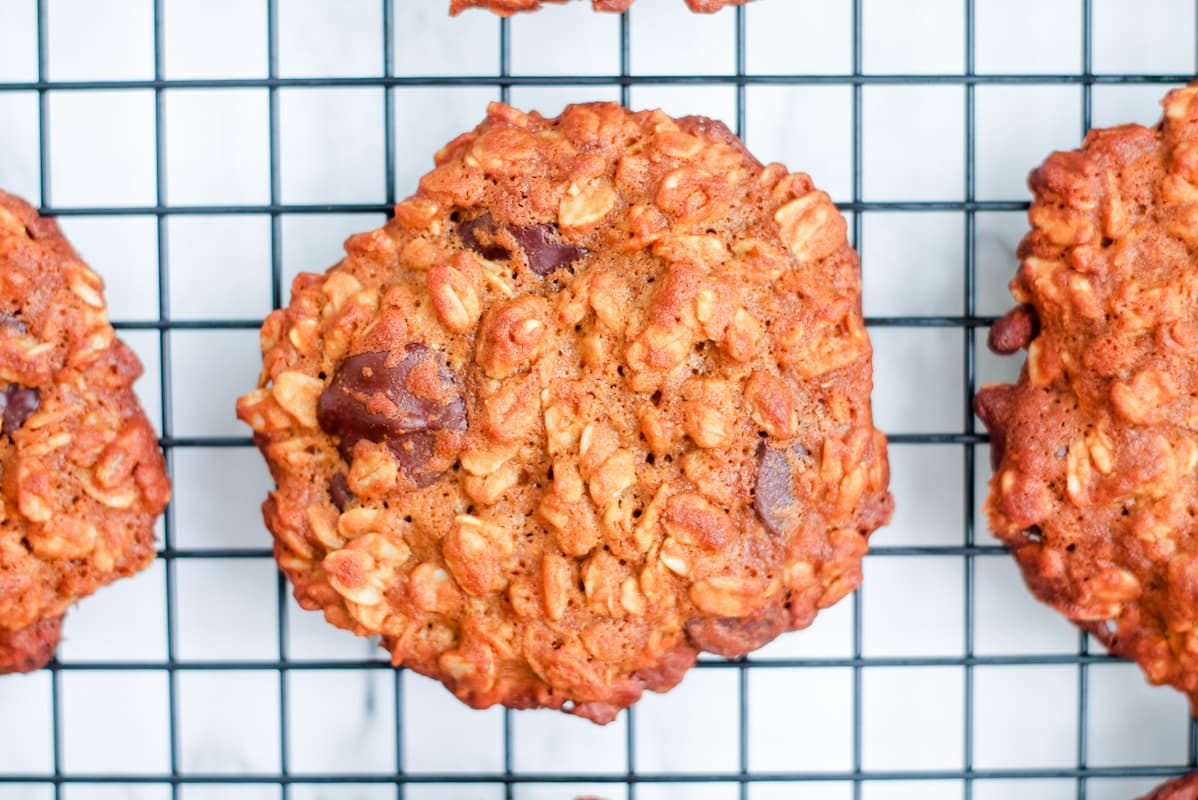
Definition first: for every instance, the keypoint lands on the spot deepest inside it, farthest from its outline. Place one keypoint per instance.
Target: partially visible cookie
(1095, 487)
(1183, 788)
(508, 7)
(81, 476)
(596, 399)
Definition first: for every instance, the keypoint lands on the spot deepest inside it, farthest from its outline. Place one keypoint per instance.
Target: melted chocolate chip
(400, 402)
(545, 253)
(774, 494)
(339, 491)
(414, 451)
(10, 324)
(17, 405)
(467, 232)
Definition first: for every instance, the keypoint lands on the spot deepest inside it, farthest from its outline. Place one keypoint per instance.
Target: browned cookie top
(1183, 788)
(508, 7)
(1095, 488)
(595, 399)
(81, 476)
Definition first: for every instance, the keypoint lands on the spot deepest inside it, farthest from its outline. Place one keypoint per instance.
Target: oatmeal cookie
(81, 476)
(1183, 788)
(1095, 448)
(596, 399)
(508, 7)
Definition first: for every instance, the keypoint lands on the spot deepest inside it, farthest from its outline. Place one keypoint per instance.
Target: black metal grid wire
(968, 437)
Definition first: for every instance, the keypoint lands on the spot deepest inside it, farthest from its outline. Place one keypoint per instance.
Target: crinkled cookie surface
(596, 399)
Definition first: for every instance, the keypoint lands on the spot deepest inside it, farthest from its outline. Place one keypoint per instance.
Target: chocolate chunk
(414, 451)
(993, 405)
(774, 493)
(339, 491)
(10, 324)
(467, 232)
(545, 253)
(17, 404)
(397, 401)
(1014, 330)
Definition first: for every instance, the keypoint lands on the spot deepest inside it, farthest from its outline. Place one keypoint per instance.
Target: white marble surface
(102, 150)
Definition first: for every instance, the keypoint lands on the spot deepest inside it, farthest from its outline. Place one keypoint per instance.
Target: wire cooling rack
(201, 153)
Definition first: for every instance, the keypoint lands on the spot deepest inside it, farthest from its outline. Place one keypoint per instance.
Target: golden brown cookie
(508, 7)
(1095, 487)
(596, 399)
(81, 476)
(1183, 788)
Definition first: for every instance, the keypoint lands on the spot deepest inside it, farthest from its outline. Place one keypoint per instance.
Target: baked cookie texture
(81, 476)
(1183, 788)
(1095, 488)
(596, 399)
(508, 7)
